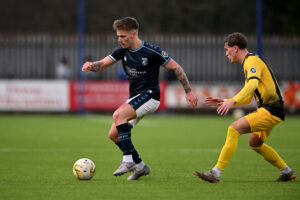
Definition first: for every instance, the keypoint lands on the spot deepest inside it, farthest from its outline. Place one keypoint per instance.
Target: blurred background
(43, 45)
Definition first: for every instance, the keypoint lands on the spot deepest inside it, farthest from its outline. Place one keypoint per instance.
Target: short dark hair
(237, 39)
(127, 24)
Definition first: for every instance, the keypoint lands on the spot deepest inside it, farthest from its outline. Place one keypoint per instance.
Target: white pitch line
(183, 150)
(218, 150)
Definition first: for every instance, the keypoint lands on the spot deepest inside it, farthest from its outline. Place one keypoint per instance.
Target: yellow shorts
(262, 122)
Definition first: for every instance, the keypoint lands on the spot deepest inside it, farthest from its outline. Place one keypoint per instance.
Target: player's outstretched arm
(247, 90)
(190, 96)
(225, 106)
(213, 101)
(98, 65)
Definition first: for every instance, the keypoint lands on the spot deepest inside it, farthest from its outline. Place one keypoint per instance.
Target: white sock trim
(217, 171)
(286, 170)
(140, 165)
(127, 158)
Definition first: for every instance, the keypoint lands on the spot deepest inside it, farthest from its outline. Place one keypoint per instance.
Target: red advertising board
(103, 95)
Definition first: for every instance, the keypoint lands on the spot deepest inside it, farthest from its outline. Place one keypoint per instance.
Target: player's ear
(236, 48)
(134, 33)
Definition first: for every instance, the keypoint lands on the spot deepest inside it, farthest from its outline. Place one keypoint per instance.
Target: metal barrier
(202, 56)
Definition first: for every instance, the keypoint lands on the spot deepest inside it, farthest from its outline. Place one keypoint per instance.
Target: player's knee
(241, 126)
(255, 141)
(116, 116)
(254, 144)
(235, 125)
(113, 136)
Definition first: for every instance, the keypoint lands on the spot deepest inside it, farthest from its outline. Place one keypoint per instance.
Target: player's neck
(136, 44)
(243, 54)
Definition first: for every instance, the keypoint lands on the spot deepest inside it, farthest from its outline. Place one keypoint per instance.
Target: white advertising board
(175, 95)
(40, 95)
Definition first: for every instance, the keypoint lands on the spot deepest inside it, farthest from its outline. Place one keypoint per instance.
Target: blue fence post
(259, 27)
(81, 47)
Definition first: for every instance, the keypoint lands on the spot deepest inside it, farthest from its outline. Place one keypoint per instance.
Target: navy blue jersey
(142, 67)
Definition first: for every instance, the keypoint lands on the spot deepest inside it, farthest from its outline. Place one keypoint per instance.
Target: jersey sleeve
(117, 54)
(247, 91)
(247, 100)
(253, 69)
(161, 57)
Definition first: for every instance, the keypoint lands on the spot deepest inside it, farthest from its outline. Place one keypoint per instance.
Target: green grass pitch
(37, 153)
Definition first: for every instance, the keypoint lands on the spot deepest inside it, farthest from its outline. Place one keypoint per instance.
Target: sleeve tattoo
(181, 76)
(96, 66)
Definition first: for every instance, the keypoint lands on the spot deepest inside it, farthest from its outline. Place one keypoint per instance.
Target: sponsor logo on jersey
(252, 70)
(133, 72)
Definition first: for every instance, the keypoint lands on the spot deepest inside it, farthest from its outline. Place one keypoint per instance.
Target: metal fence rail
(202, 56)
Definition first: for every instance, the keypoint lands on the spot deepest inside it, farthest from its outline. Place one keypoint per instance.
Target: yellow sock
(270, 155)
(229, 148)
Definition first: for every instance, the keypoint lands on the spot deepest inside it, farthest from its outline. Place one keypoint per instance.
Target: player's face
(126, 38)
(231, 53)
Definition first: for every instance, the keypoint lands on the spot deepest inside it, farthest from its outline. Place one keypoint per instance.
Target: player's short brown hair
(127, 24)
(237, 39)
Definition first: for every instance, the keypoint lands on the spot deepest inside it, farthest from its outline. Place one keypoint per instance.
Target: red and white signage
(63, 96)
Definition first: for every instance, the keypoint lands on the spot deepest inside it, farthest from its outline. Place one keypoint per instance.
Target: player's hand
(225, 107)
(191, 99)
(87, 66)
(213, 101)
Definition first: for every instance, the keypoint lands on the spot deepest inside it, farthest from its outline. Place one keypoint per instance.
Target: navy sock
(119, 145)
(124, 134)
(135, 156)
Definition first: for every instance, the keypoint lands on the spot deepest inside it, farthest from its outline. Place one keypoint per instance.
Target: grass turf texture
(37, 153)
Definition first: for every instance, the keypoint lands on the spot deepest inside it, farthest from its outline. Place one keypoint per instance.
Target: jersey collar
(248, 54)
(134, 50)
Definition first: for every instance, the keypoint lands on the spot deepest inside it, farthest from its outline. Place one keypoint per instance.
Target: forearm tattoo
(96, 66)
(181, 76)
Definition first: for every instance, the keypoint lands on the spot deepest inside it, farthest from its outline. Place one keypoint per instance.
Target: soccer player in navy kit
(141, 62)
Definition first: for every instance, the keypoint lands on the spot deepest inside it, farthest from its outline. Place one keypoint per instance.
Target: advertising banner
(64, 96)
(29, 95)
(98, 95)
(291, 93)
(102, 95)
(175, 95)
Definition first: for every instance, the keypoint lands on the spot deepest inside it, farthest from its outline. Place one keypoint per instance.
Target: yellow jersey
(267, 93)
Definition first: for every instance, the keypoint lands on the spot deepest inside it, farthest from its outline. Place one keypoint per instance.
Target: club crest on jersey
(252, 70)
(164, 54)
(144, 61)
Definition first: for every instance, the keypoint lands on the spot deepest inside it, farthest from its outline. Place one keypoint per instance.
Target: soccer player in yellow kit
(260, 82)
